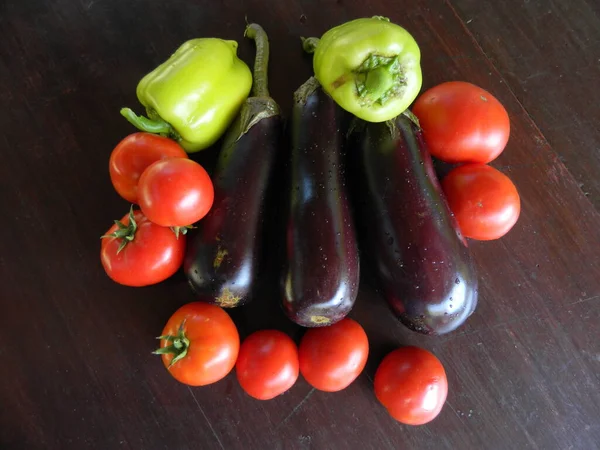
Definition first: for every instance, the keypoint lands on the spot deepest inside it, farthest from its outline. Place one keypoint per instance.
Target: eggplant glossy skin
(321, 270)
(224, 256)
(407, 232)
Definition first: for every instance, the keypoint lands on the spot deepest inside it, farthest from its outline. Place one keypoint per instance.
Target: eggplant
(320, 275)
(407, 233)
(224, 257)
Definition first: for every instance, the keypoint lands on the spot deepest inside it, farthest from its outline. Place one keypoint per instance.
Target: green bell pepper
(195, 94)
(369, 66)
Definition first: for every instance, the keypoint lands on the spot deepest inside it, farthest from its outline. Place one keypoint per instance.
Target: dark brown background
(76, 367)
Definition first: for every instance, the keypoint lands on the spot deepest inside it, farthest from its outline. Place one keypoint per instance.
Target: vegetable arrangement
(409, 227)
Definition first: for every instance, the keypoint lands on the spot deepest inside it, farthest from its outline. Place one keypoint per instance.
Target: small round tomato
(175, 192)
(267, 365)
(133, 155)
(411, 383)
(332, 357)
(137, 252)
(484, 200)
(462, 122)
(199, 344)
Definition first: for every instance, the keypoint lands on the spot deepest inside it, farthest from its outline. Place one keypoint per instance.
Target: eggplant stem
(260, 86)
(303, 92)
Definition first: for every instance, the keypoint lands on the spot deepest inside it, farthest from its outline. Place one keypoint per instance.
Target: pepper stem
(379, 78)
(309, 45)
(379, 81)
(157, 126)
(261, 62)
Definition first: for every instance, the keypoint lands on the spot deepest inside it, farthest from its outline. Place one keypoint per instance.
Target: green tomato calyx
(182, 230)
(124, 232)
(178, 347)
(379, 79)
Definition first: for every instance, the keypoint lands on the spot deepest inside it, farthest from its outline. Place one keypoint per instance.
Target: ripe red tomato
(133, 155)
(139, 253)
(267, 365)
(175, 192)
(411, 383)
(484, 200)
(332, 357)
(462, 122)
(199, 344)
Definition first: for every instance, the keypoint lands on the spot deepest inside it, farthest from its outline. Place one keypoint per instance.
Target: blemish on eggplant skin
(227, 299)
(319, 319)
(221, 254)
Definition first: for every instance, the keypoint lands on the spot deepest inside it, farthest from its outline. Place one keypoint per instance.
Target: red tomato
(332, 357)
(462, 122)
(133, 155)
(175, 192)
(200, 344)
(484, 200)
(268, 364)
(139, 253)
(411, 383)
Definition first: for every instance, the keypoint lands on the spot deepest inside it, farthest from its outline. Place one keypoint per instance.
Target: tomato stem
(124, 232)
(181, 230)
(179, 345)
(261, 61)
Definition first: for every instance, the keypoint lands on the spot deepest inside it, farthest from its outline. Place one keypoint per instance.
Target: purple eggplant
(321, 270)
(407, 233)
(224, 257)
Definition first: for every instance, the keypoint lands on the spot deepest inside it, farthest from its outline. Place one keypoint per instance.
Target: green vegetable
(195, 94)
(370, 66)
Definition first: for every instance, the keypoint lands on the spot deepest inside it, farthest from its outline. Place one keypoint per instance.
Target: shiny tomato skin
(462, 122)
(214, 344)
(175, 192)
(154, 254)
(133, 155)
(332, 357)
(411, 383)
(484, 201)
(267, 365)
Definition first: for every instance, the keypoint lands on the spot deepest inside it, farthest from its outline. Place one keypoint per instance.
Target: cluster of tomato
(172, 191)
(200, 345)
(464, 124)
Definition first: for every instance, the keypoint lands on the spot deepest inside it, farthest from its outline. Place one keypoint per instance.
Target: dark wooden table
(77, 371)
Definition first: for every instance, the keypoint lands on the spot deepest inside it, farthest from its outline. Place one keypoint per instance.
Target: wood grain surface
(77, 370)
